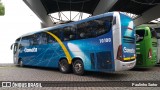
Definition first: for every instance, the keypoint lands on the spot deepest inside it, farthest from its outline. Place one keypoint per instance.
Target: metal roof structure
(134, 6)
(86, 6)
(142, 11)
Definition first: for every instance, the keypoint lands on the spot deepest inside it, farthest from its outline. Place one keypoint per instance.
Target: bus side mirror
(11, 46)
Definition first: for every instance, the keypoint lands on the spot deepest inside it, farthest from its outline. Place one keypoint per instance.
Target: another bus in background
(158, 52)
(146, 46)
(102, 43)
(158, 45)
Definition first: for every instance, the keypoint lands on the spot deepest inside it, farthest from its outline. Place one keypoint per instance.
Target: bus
(158, 52)
(158, 45)
(102, 43)
(146, 46)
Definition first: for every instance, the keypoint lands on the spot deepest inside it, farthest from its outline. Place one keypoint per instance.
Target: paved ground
(10, 72)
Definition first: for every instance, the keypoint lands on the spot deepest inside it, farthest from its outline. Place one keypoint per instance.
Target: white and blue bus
(103, 43)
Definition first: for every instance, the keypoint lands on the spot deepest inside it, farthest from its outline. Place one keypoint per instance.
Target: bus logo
(127, 50)
(30, 50)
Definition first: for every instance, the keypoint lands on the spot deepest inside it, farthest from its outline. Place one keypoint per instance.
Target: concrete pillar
(104, 6)
(149, 15)
(37, 7)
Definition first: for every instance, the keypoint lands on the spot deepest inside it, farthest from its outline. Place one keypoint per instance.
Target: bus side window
(25, 42)
(42, 39)
(69, 33)
(66, 33)
(35, 39)
(94, 28)
(91, 28)
(86, 29)
(50, 39)
(57, 33)
(104, 25)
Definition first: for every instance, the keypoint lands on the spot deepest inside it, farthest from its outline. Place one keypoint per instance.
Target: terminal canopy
(86, 6)
(134, 6)
(63, 11)
(68, 16)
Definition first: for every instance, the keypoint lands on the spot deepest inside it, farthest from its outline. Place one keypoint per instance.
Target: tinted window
(57, 33)
(140, 35)
(104, 26)
(16, 46)
(50, 39)
(41, 38)
(26, 41)
(94, 28)
(69, 33)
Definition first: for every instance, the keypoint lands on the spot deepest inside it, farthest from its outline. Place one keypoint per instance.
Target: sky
(18, 20)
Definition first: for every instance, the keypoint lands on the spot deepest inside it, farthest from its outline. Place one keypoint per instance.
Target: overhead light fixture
(156, 21)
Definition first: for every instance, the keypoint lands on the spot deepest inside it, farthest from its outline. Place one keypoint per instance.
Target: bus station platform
(13, 73)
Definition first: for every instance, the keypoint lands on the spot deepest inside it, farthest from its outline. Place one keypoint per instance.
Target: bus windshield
(140, 35)
(15, 48)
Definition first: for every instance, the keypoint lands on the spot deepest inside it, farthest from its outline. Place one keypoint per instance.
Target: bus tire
(64, 67)
(78, 67)
(21, 63)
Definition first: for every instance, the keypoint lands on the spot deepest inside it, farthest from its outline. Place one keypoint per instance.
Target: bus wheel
(21, 63)
(64, 67)
(78, 67)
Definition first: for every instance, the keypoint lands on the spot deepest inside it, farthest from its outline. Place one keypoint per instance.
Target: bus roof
(71, 23)
(142, 27)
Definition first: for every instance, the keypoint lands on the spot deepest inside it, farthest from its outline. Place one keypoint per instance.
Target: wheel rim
(78, 67)
(21, 63)
(62, 66)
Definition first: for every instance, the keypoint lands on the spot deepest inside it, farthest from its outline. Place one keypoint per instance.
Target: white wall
(18, 20)
(40, 11)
